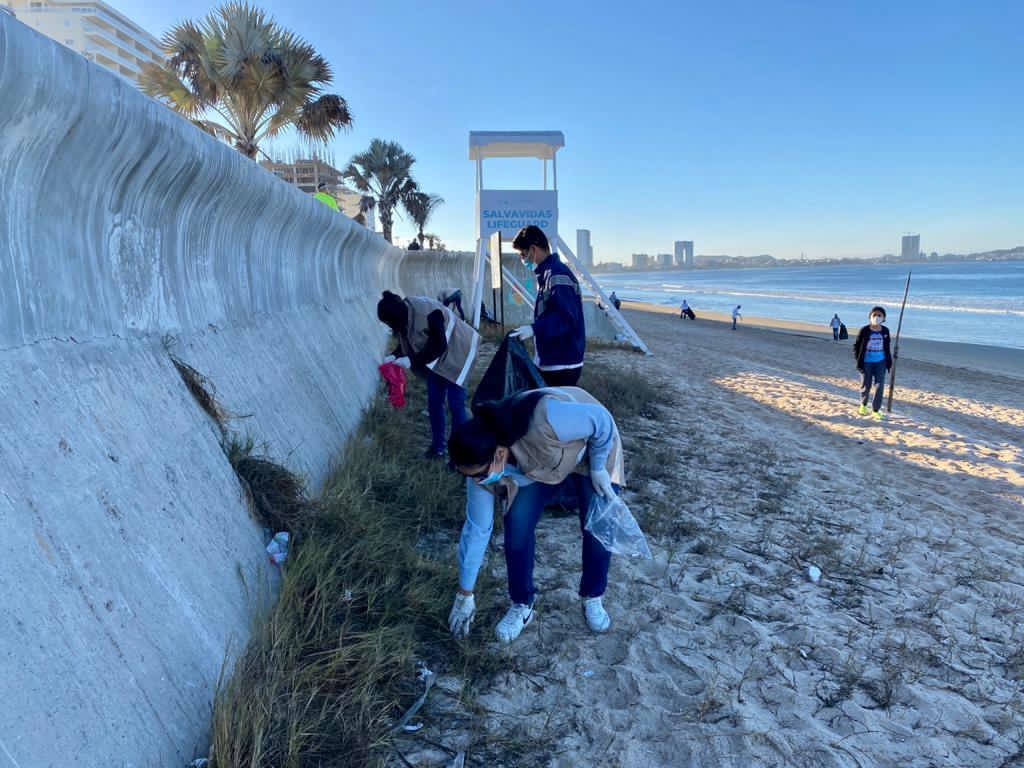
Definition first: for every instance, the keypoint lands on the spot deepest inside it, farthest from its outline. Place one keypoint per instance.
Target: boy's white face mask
(876, 319)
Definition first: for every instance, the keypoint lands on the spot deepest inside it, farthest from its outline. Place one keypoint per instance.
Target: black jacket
(861, 346)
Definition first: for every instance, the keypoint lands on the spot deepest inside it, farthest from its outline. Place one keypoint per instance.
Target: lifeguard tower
(506, 211)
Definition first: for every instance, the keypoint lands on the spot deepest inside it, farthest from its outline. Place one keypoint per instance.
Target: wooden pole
(896, 347)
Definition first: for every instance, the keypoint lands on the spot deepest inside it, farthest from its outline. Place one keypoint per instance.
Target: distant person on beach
(736, 316)
(836, 322)
(520, 450)
(558, 331)
(685, 311)
(615, 300)
(454, 299)
(874, 360)
(325, 197)
(436, 345)
(414, 245)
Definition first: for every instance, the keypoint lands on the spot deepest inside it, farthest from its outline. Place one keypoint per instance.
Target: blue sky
(749, 127)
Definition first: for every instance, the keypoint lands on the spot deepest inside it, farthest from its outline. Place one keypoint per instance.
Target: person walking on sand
(436, 345)
(836, 322)
(520, 450)
(736, 316)
(685, 311)
(874, 360)
(558, 331)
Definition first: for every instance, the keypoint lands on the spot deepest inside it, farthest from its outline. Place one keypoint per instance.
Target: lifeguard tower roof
(539, 144)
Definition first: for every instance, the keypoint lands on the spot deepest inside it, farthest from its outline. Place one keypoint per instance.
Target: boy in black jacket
(873, 360)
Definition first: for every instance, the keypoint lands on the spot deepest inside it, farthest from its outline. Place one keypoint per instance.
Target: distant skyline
(786, 128)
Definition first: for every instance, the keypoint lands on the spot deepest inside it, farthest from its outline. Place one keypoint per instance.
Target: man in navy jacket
(558, 329)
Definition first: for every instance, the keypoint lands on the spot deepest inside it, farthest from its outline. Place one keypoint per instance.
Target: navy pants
(520, 541)
(439, 389)
(873, 373)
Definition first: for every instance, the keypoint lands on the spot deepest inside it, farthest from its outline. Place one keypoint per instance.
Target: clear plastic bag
(611, 523)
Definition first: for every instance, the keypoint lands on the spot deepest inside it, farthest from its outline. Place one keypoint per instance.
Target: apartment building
(308, 173)
(94, 29)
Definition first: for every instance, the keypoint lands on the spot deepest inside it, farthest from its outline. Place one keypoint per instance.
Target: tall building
(93, 29)
(664, 259)
(684, 253)
(911, 247)
(584, 251)
(641, 260)
(308, 173)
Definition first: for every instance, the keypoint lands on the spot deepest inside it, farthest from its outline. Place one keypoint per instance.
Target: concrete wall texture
(130, 562)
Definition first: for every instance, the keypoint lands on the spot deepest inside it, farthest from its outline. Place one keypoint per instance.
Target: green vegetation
(384, 171)
(365, 593)
(238, 75)
(420, 206)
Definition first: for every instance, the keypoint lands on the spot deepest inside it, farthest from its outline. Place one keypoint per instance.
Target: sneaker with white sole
(597, 617)
(514, 622)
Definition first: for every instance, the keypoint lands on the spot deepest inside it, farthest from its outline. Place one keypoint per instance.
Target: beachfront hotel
(94, 29)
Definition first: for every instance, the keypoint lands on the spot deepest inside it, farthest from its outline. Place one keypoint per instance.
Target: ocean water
(973, 302)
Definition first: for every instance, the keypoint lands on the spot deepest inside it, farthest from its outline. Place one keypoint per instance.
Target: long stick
(896, 348)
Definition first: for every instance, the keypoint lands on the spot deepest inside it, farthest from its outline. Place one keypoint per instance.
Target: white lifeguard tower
(506, 211)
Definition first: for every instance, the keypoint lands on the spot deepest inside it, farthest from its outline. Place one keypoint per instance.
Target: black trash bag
(843, 334)
(510, 371)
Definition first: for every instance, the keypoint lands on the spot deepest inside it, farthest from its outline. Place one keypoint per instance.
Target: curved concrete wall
(130, 563)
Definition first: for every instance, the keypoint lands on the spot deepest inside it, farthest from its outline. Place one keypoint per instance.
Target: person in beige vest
(437, 345)
(520, 450)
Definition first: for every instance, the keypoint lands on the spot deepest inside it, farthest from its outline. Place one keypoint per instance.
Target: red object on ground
(394, 377)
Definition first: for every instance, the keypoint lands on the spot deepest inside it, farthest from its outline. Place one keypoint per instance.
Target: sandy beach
(908, 652)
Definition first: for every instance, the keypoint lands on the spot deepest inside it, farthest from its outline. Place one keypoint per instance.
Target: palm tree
(366, 204)
(420, 206)
(384, 170)
(238, 75)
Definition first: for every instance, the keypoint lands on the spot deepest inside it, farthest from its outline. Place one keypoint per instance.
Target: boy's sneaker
(514, 622)
(879, 416)
(597, 617)
(863, 410)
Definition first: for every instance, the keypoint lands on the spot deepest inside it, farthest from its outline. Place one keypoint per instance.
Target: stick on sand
(896, 348)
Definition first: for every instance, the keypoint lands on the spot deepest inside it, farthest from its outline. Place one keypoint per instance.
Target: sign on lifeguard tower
(506, 211)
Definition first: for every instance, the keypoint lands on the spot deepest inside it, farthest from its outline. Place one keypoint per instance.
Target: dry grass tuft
(330, 669)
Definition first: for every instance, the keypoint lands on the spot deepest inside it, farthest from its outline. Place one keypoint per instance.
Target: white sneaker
(597, 617)
(514, 622)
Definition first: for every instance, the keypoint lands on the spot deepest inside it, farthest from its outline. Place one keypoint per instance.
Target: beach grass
(364, 597)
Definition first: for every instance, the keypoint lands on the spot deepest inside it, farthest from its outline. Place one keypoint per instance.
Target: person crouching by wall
(437, 345)
(874, 360)
(558, 331)
(520, 450)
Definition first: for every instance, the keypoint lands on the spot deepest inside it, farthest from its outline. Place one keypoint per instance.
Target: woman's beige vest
(543, 458)
(462, 340)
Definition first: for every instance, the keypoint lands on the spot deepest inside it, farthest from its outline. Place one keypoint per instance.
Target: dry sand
(908, 652)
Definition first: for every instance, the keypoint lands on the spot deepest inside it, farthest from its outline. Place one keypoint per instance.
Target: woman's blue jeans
(520, 541)
(438, 389)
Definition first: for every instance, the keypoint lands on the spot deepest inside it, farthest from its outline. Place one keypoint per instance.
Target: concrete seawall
(131, 563)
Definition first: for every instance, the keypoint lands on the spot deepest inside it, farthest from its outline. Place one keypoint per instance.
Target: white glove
(602, 483)
(389, 359)
(403, 362)
(523, 332)
(461, 616)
